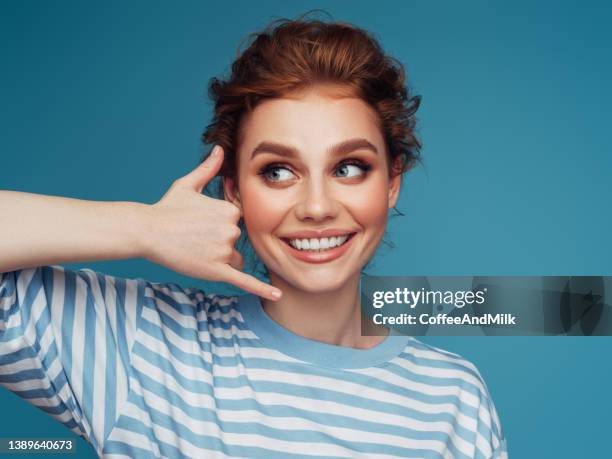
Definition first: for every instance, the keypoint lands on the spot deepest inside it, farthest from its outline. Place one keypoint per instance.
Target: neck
(332, 317)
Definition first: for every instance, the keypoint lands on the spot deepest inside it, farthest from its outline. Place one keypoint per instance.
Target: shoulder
(437, 362)
(444, 371)
(172, 299)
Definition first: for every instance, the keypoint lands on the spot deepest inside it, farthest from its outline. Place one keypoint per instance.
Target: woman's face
(308, 163)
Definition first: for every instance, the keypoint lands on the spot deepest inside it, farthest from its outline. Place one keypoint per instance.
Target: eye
(348, 169)
(272, 173)
(353, 168)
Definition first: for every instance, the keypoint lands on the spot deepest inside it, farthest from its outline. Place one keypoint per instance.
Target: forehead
(310, 121)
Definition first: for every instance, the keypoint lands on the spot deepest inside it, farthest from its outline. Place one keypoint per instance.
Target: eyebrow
(339, 149)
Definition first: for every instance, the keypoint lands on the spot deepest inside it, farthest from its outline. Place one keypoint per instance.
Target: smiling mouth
(321, 245)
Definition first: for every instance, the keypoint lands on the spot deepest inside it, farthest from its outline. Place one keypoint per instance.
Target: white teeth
(318, 244)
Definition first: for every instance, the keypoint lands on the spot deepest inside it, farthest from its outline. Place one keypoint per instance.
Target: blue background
(107, 101)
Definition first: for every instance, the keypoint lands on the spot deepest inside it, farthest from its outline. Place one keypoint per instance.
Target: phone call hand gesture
(194, 234)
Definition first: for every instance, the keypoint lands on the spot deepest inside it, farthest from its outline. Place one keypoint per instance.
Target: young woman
(312, 132)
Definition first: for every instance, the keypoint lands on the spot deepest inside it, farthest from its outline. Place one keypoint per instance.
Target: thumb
(206, 171)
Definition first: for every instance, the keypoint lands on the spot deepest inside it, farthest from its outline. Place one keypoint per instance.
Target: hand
(195, 235)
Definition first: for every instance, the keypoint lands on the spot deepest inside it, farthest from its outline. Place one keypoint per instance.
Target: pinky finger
(250, 284)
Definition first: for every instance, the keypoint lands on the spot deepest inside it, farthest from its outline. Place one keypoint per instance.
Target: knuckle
(232, 211)
(178, 182)
(226, 252)
(235, 233)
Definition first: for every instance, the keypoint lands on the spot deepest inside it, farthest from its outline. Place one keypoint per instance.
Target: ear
(394, 189)
(230, 192)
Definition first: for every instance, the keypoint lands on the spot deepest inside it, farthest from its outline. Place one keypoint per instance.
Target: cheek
(261, 213)
(369, 205)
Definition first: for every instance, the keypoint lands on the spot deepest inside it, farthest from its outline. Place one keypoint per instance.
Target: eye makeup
(363, 165)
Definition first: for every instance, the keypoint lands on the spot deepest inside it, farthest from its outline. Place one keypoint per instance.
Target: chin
(317, 282)
(317, 289)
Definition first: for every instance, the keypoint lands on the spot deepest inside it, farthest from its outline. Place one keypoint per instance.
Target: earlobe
(395, 183)
(394, 189)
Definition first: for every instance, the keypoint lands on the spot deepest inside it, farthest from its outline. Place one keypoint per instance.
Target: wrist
(137, 228)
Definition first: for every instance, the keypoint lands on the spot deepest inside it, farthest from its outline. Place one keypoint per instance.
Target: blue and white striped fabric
(143, 369)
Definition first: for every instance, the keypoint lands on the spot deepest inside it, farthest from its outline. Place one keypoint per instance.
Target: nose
(317, 202)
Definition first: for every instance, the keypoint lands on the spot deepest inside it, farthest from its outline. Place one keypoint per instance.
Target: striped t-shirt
(142, 369)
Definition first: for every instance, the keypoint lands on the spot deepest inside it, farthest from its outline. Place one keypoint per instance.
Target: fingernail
(276, 293)
(215, 151)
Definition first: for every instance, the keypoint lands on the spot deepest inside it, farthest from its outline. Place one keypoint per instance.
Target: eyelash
(365, 167)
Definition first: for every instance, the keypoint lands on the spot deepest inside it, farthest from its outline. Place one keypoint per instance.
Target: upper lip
(313, 234)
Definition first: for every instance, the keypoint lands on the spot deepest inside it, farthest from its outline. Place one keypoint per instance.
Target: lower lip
(319, 257)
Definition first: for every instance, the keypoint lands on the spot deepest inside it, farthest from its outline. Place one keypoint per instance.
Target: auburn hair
(290, 55)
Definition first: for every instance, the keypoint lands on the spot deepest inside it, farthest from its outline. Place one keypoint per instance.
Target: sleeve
(65, 342)
(490, 439)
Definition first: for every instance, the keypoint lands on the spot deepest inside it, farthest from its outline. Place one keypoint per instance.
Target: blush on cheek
(370, 211)
(262, 216)
(370, 206)
(263, 206)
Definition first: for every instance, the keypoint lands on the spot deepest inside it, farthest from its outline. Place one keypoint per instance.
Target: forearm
(37, 230)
